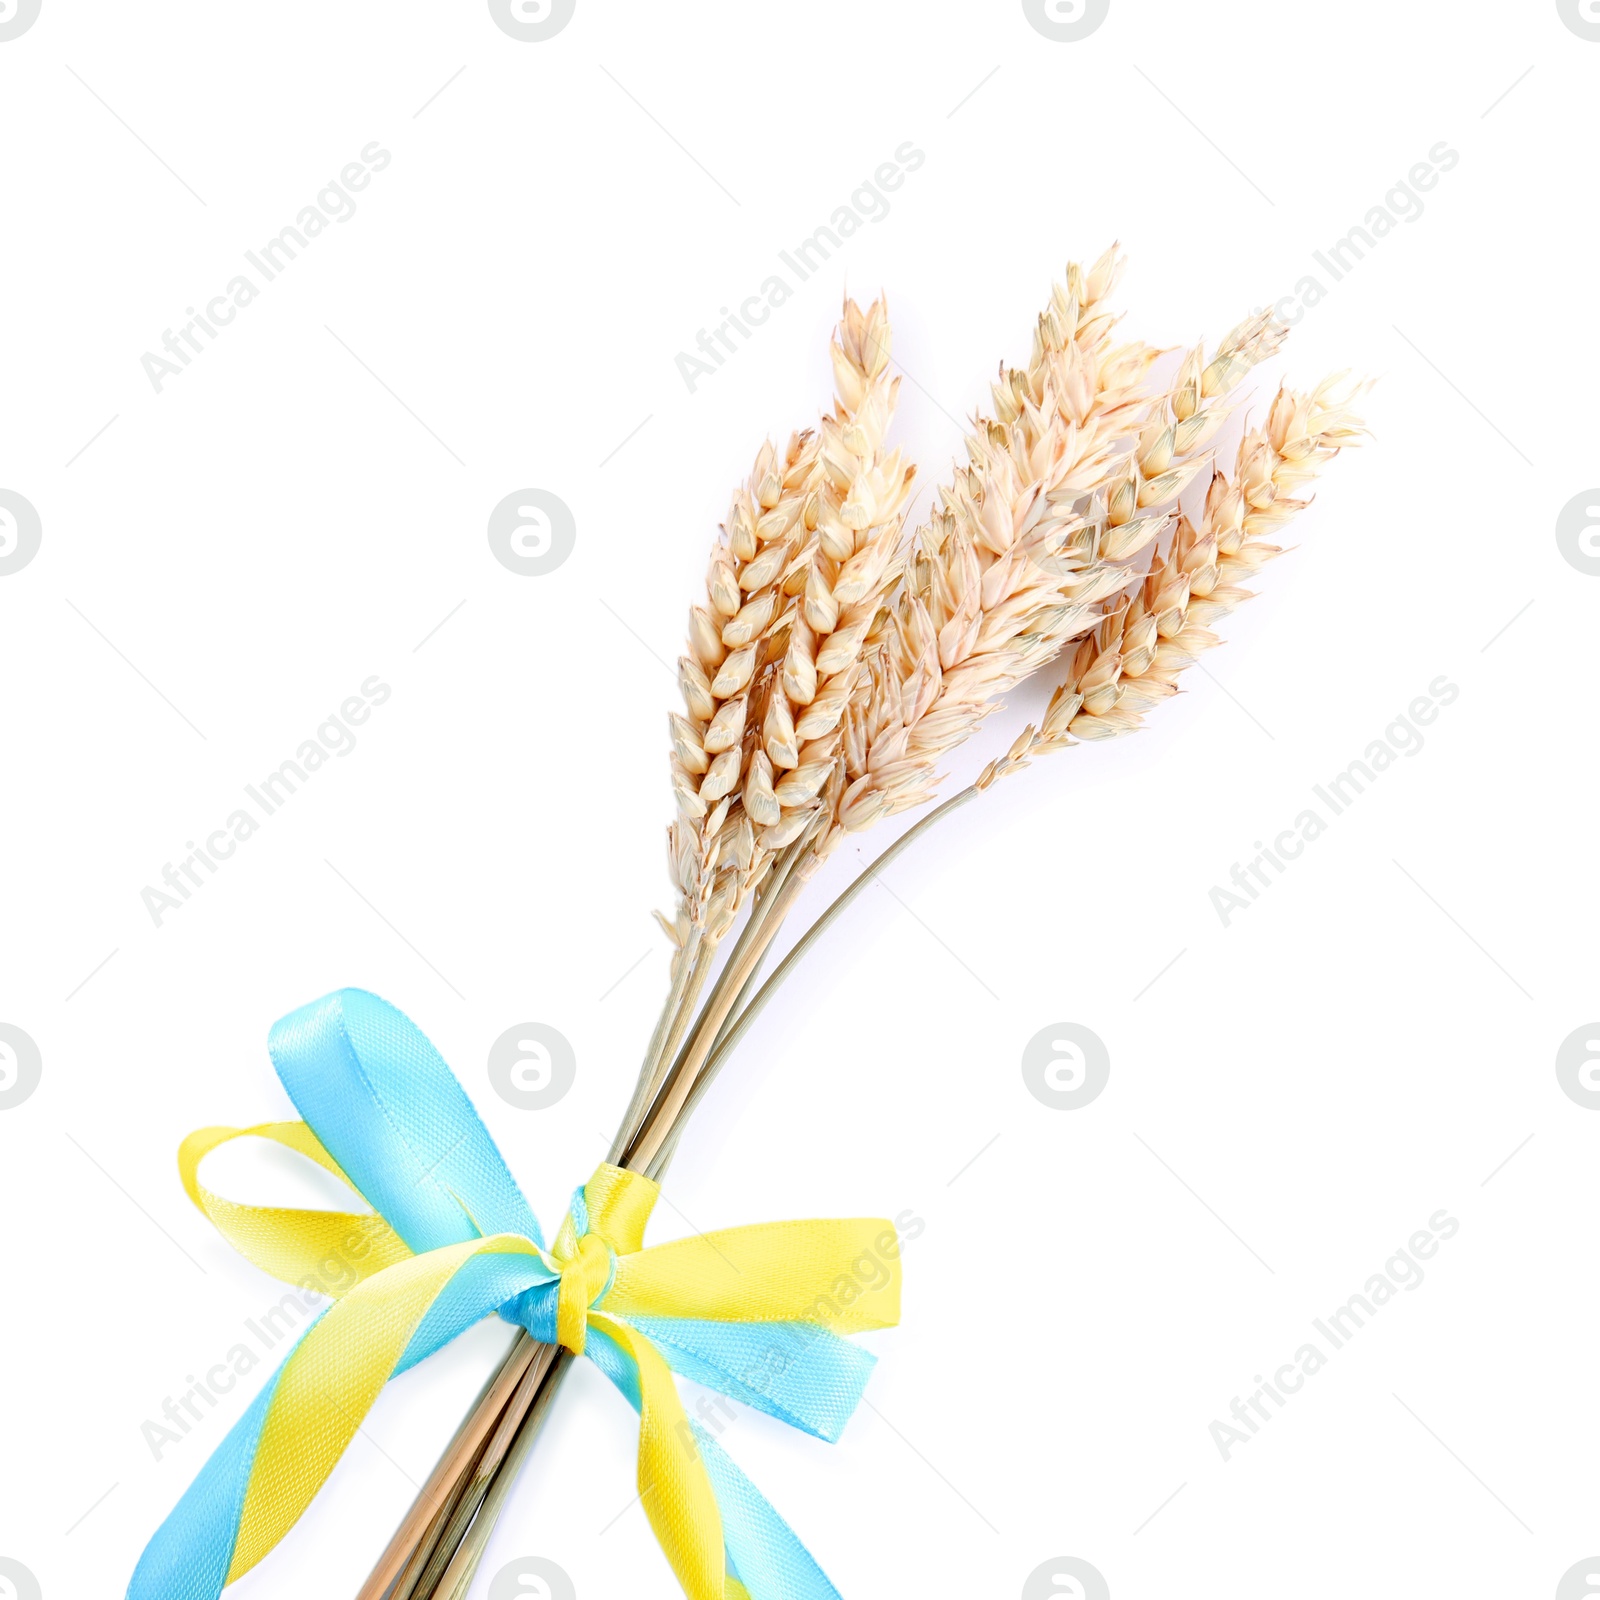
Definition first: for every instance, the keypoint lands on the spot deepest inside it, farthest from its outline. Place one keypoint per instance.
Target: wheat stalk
(1035, 533)
(853, 563)
(1132, 660)
(1009, 570)
(750, 592)
(1055, 438)
(796, 580)
(832, 666)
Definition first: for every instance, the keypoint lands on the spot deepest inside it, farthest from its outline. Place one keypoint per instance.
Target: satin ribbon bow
(756, 1313)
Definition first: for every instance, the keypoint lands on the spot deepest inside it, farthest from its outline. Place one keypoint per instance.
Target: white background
(1291, 1096)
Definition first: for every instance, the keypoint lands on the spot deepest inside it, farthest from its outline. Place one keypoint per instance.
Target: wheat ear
(749, 588)
(1132, 660)
(1036, 533)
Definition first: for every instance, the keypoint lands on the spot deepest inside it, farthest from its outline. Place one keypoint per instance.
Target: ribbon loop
(383, 1102)
(327, 1251)
(757, 1312)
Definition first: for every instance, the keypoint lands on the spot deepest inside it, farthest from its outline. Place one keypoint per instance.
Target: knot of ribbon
(757, 1313)
(588, 1268)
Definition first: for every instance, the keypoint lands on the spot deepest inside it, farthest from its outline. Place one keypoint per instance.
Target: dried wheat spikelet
(1036, 532)
(854, 561)
(749, 587)
(1133, 658)
(796, 580)
(1059, 425)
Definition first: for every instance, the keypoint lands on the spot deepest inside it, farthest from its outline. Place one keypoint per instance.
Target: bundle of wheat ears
(834, 662)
